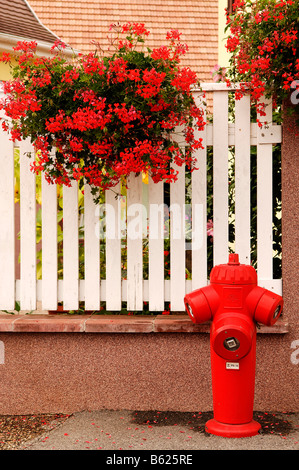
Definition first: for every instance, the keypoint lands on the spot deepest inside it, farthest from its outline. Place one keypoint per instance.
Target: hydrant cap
(233, 258)
(233, 272)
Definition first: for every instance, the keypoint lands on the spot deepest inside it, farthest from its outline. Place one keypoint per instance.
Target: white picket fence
(135, 290)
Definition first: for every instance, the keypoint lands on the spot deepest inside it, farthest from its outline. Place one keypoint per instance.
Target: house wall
(223, 55)
(4, 72)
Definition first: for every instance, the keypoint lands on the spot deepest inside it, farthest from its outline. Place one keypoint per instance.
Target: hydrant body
(234, 304)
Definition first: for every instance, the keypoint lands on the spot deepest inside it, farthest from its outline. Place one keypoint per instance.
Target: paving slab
(183, 432)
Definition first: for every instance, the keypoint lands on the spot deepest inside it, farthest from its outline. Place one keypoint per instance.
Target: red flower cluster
(263, 43)
(105, 116)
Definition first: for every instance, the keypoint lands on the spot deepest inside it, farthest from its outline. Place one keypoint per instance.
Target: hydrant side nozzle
(269, 308)
(253, 298)
(265, 306)
(212, 297)
(201, 304)
(197, 307)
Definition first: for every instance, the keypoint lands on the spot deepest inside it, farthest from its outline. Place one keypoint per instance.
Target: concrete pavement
(137, 431)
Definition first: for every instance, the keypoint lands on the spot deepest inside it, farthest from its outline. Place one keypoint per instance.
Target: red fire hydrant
(234, 303)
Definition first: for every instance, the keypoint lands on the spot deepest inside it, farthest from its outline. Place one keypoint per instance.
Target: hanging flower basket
(106, 115)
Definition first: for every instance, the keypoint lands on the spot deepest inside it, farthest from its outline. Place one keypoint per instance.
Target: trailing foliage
(263, 43)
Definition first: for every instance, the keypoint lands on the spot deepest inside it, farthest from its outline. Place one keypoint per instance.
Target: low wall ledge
(43, 323)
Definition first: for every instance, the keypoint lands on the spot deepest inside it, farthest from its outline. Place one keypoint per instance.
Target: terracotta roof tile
(79, 22)
(18, 19)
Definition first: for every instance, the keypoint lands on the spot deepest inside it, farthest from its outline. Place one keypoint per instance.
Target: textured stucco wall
(290, 216)
(290, 235)
(68, 372)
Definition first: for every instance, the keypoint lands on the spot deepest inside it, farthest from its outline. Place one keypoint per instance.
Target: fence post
(290, 214)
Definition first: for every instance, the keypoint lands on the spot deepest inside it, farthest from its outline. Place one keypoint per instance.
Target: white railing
(125, 235)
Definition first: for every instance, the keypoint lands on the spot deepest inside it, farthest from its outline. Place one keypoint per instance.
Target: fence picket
(199, 209)
(134, 243)
(28, 296)
(242, 179)
(156, 246)
(177, 242)
(264, 201)
(49, 246)
(220, 177)
(91, 253)
(70, 248)
(7, 218)
(113, 251)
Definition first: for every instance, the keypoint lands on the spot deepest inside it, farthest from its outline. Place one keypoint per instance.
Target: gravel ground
(15, 431)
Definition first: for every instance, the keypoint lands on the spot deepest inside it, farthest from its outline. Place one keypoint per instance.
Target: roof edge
(8, 42)
(38, 20)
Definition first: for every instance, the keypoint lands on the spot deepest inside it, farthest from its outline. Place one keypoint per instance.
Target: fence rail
(134, 225)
